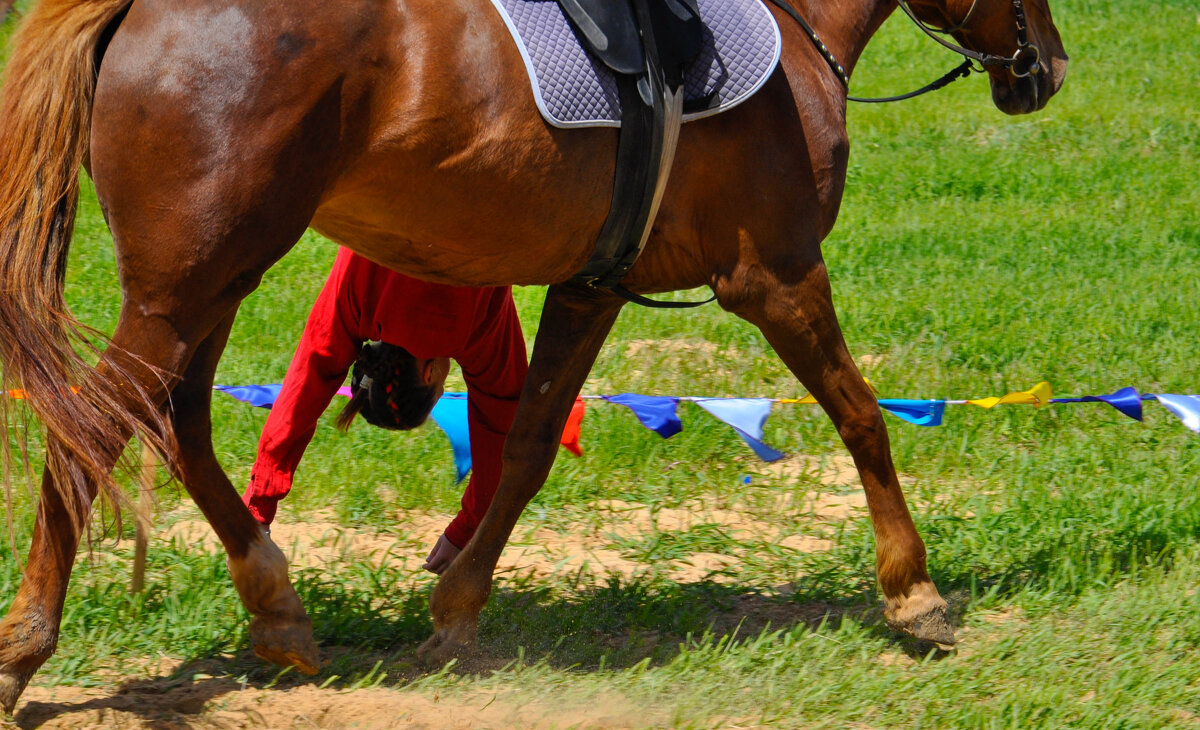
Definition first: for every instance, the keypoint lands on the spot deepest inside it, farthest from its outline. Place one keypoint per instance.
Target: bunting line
(746, 416)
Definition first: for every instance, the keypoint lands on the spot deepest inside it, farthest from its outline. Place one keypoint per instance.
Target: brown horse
(216, 132)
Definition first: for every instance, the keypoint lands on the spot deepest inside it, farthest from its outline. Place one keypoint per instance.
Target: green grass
(975, 254)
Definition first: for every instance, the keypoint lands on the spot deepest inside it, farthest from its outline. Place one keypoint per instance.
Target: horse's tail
(45, 117)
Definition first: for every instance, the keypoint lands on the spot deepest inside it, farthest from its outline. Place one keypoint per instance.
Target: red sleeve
(494, 365)
(327, 349)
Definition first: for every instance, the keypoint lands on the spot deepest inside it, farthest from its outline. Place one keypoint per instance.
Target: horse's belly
(459, 179)
(456, 244)
(489, 217)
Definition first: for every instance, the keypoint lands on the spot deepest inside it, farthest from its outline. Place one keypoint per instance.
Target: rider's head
(393, 389)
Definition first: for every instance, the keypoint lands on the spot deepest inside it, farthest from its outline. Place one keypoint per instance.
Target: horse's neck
(846, 26)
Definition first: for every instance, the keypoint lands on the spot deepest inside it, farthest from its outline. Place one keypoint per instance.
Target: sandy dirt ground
(221, 704)
(794, 523)
(163, 701)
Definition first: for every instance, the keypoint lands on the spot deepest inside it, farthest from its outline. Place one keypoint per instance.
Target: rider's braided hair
(386, 388)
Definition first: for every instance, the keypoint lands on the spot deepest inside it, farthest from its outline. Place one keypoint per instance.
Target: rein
(1023, 62)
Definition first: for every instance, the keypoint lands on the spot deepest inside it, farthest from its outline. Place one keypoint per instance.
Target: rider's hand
(444, 552)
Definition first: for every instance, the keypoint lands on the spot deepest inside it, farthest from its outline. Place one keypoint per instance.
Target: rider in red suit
(424, 325)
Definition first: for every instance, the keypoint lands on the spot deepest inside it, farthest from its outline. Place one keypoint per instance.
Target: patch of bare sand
(629, 520)
(223, 704)
(1004, 615)
(833, 470)
(322, 543)
(895, 658)
(703, 348)
(795, 520)
(642, 355)
(589, 551)
(316, 543)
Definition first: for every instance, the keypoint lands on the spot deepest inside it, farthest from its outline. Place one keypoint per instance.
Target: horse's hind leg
(181, 290)
(179, 321)
(177, 317)
(30, 629)
(29, 632)
(280, 631)
(792, 305)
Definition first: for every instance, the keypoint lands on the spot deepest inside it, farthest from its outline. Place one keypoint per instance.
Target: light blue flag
(450, 414)
(1185, 407)
(920, 412)
(747, 416)
(259, 396)
(656, 412)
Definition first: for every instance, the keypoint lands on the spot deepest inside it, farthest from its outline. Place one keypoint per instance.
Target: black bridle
(1025, 61)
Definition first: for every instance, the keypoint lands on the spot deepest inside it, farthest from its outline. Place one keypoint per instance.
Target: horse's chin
(1018, 95)
(1013, 95)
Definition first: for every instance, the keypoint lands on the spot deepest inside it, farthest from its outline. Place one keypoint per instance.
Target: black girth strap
(651, 114)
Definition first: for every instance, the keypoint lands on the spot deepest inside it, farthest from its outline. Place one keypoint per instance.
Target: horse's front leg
(791, 303)
(574, 325)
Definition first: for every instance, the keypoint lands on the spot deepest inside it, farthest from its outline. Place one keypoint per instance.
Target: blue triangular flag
(259, 396)
(1125, 400)
(920, 412)
(1185, 407)
(747, 416)
(656, 412)
(450, 414)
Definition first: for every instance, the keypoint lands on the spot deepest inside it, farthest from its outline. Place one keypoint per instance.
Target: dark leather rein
(1025, 61)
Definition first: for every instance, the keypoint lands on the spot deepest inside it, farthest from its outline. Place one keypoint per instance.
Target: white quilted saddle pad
(741, 49)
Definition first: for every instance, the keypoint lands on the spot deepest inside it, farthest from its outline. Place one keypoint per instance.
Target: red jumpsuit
(477, 327)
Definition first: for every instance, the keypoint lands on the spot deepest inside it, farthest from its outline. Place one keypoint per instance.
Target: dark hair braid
(386, 388)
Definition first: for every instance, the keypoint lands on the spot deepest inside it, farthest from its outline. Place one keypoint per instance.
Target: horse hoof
(303, 664)
(288, 645)
(931, 625)
(922, 614)
(441, 649)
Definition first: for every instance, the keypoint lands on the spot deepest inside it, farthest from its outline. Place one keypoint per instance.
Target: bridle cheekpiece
(1025, 61)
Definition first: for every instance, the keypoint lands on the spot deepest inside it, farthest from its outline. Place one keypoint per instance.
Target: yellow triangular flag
(1039, 395)
(808, 400)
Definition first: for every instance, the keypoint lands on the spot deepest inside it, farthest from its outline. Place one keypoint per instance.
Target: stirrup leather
(651, 115)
